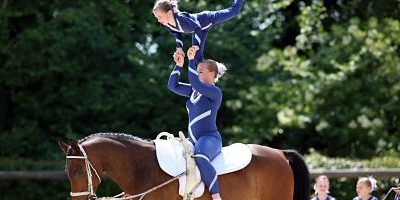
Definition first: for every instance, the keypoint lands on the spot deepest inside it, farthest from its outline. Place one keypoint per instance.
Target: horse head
(82, 175)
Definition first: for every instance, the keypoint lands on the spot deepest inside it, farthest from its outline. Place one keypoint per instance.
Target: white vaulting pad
(232, 158)
(171, 158)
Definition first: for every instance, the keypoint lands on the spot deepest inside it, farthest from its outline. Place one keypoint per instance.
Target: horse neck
(127, 163)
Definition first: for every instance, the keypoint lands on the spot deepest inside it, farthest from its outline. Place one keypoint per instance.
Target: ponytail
(373, 181)
(174, 2)
(221, 69)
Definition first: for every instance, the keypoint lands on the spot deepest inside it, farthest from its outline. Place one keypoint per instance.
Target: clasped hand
(179, 57)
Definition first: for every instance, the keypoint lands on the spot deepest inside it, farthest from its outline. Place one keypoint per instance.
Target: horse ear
(75, 147)
(63, 146)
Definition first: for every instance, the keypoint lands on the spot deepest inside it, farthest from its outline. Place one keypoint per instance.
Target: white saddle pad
(171, 158)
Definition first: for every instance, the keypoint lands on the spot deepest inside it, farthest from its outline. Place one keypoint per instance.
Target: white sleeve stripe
(199, 117)
(206, 27)
(212, 183)
(186, 84)
(191, 135)
(179, 26)
(193, 71)
(197, 38)
(179, 41)
(176, 72)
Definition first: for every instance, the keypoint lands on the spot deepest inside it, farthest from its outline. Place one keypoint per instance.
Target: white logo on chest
(195, 97)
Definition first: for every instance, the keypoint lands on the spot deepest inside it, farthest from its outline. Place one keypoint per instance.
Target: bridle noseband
(89, 168)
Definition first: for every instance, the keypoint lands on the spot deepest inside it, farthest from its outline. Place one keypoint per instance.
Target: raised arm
(208, 90)
(174, 85)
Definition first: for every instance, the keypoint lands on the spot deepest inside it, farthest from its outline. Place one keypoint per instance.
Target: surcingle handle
(191, 179)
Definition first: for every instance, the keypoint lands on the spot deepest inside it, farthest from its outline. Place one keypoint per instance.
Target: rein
(141, 195)
(91, 191)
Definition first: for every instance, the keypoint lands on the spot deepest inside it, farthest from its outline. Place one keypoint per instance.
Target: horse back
(267, 177)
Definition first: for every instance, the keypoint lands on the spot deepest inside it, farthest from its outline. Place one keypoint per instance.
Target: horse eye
(78, 171)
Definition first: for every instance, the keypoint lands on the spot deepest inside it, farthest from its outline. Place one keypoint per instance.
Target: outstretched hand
(179, 59)
(192, 52)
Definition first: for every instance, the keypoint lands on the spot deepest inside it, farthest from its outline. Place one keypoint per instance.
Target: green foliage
(316, 160)
(338, 83)
(364, 80)
(70, 75)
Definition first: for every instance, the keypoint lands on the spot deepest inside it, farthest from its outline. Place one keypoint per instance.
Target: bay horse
(131, 163)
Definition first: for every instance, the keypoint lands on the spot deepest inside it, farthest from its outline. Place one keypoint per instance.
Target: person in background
(321, 188)
(397, 190)
(364, 188)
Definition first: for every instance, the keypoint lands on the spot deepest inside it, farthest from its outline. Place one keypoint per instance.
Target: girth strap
(191, 178)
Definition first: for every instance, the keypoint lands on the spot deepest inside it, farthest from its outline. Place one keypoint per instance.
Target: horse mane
(122, 136)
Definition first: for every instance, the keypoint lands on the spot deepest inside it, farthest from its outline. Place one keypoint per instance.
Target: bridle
(89, 168)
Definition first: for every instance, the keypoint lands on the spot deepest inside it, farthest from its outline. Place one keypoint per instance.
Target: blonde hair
(165, 5)
(369, 181)
(218, 68)
(322, 178)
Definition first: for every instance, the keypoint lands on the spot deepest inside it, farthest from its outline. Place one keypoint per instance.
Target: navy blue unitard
(199, 24)
(202, 105)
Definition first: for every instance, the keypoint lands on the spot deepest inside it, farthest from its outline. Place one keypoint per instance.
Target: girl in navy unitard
(178, 23)
(204, 100)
